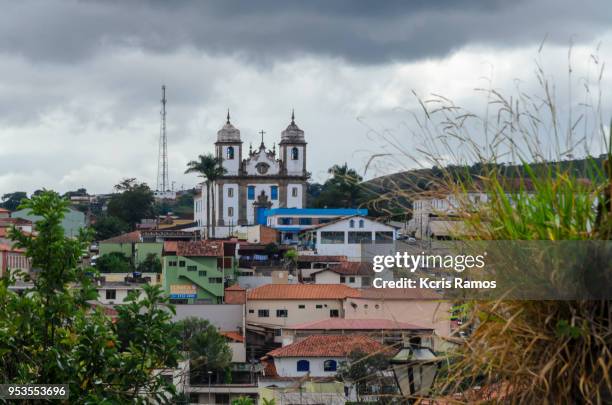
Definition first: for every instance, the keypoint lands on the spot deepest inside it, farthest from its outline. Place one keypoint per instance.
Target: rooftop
(356, 324)
(201, 248)
(317, 211)
(331, 346)
(320, 259)
(302, 292)
(130, 237)
(350, 269)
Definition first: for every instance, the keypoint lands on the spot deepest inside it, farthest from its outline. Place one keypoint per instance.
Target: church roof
(228, 133)
(293, 133)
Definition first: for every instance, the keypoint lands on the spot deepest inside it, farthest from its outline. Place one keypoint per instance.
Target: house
(290, 221)
(352, 274)
(422, 307)
(315, 360)
(72, 223)
(347, 235)
(195, 272)
(115, 292)
(132, 245)
(279, 305)
(13, 259)
(385, 331)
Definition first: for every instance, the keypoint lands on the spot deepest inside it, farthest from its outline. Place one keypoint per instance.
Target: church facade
(254, 180)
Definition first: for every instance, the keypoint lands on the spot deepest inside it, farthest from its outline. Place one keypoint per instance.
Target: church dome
(293, 133)
(228, 133)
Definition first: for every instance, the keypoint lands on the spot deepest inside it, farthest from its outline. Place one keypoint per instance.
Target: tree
(132, 202)
(208, 350)
(342, 190)
(151, 264)
(81, 192)
(209, 168)
(244, 401)
(108, 226)
(114, 262)
(362, 368)
(52, 335)
(291, 259)
(11, 201)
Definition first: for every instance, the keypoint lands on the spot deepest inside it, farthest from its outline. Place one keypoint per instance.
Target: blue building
(290, 221)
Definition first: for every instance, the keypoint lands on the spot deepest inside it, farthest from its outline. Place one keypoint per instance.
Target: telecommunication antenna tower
(162, 165)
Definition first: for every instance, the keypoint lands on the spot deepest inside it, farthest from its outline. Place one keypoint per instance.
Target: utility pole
(162, 165)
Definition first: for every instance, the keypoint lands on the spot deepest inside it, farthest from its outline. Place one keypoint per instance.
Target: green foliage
(210, 169)
(50, 335)
(132, 202)
(151, 264)
(114, 262)
(11, 201)
(361, 367)
(340, 191)
(107, 226)
(208, 350)
(266, 401)
(243, 401)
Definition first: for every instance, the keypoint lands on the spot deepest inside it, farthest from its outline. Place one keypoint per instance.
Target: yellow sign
(183, 291)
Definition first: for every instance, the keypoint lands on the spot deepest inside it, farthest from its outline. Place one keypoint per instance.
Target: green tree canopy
(52, 336)
(342, 190)
(151, 264)
(11, 201)
(108, 226)
(132, 202)
(114, 262)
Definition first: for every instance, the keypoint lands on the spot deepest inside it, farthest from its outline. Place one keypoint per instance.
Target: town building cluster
(289, 287)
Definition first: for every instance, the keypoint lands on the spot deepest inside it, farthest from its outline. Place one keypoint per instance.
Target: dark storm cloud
(358, 31)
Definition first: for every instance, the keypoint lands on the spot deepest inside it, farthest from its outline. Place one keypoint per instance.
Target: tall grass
(555, 352)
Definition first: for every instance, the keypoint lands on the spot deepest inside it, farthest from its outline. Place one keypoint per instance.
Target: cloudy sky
(80, 80)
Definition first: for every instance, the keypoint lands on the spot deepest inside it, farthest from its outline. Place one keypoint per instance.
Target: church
(254, 180)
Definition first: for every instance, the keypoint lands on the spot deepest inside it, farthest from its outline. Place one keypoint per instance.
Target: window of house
(351, 279)
(361, 223)
(330, 365)
(263, 313)
(342, 279)
(281, 313)
(202, 273)
(324, 220)
(365, 281)
(352, 223)
(295, 153)
(230, 153)
(305, 221)
(274, 192)
(294, 191)
(230, 211)
(111, 294)
(319, 306)
(334, 313)
(285, 221)
(335, 237)
(172, 263)
(215, 280)
(383, 237)
(192, 268)
(230, 192)
(359, 237)
(301, 306)
(181, 263)
(303, 365)
(278, 332)
(251, 311)
(251, 192)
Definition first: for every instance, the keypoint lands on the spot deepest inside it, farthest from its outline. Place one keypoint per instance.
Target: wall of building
(238, 352)
(426, 313)
(72, 223)
(125, 248)
(287, 366)
(295, 314)
(295, 201)
(224, 317)
(329, 277)
(145, 248)
(229, 202)
(180, 275)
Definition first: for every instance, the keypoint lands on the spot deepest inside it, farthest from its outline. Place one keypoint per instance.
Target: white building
(256, 180)
(347, 236)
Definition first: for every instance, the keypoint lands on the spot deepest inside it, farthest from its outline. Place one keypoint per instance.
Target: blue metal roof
(336, 212)
(288, 229)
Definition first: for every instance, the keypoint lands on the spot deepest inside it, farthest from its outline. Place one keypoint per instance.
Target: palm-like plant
(209, 168)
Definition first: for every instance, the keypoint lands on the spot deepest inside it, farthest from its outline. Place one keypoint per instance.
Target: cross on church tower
(262, 132)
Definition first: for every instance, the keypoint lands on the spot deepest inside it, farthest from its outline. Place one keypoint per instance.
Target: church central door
(260, 215)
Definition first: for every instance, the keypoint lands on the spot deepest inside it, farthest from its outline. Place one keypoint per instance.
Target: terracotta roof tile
(130, 237)
(200, 248)
(170, 246)
(350, 269)
(302, 292)
(357, 324)
(235, 287)
(235, 336)
(331, 346)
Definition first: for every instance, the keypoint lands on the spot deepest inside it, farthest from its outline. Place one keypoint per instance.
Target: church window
(352, 223)
(274, 192)
(294, 191)
(295, 153)
(251, 192)
(230, 153)
(230, 192)
(361, 223)
(230, 211)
